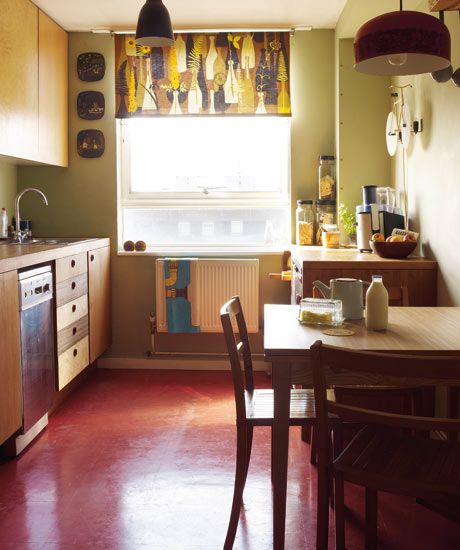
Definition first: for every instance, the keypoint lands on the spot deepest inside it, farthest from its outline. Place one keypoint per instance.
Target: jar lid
(308, 201)
(326, 202)
(326, 157)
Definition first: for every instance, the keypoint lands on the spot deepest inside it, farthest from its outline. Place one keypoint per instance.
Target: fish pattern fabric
(204, 74)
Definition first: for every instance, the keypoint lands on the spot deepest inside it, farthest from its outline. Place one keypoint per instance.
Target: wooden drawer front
(71, 312)
(71, 266)
(72, 362)
(71, 334)
(71, 289)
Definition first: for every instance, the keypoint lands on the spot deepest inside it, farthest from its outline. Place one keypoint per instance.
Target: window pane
(208, 155)
(246, 226)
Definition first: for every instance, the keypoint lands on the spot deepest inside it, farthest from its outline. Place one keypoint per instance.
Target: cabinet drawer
(71, 334)
(71, 312)
(72, 362)
(71, 266)
(71, 289)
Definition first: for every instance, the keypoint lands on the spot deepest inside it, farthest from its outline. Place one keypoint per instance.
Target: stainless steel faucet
(20, 236)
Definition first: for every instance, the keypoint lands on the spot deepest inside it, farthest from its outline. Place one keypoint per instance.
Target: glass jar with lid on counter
(327, 178)
(305, 223)
(326, 214)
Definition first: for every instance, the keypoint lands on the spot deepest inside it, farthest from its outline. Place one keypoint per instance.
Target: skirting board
(162, 362)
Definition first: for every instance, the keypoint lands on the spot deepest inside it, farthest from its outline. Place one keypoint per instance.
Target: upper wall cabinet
(33, 85)
(52, 92)
(19, 79)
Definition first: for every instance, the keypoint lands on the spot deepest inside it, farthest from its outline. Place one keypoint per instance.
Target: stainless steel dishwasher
(37, 350)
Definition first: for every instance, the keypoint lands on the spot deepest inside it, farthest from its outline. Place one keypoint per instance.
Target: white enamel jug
(350, 291)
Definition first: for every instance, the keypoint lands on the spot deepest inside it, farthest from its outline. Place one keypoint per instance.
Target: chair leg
(322, 522)
(242, 462)
(306, 434)
(249, 435)
(371, 519)
(313, 445)
(339, 502)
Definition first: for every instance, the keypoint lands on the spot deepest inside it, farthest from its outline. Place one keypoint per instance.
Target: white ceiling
(85, 15)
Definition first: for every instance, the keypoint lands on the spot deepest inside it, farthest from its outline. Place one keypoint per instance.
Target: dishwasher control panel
(35, 286)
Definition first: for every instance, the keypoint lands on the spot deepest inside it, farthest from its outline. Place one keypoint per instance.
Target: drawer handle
(74, 331)
(92, 257)
(72, 263)
(74, 284)
(74, 308)
(75, 352)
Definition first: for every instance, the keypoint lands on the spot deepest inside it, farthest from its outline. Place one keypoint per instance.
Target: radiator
(212, 283)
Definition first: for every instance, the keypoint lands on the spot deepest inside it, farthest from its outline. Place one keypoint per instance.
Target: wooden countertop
(15, 256)
(349, 257)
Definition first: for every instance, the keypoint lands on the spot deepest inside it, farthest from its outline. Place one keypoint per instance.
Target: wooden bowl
(397, 250)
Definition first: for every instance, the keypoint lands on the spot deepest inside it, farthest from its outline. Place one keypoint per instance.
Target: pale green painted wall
(312, 81)
(82, 198)
(8, 187)
(433, 171)
(363, 105)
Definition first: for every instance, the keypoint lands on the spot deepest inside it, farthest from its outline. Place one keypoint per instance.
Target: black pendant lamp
(154, 27)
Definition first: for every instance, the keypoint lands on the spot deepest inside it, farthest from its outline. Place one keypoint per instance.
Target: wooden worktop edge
(29, 255)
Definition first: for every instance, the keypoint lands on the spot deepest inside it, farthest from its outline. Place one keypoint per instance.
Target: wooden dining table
(430, 330)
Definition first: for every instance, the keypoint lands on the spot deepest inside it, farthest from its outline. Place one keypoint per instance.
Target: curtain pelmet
(204, 74)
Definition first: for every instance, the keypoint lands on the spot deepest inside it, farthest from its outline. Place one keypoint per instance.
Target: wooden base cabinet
(419, 275)
(10, 360)
(83, 315)
(71, 317)
(100, 319)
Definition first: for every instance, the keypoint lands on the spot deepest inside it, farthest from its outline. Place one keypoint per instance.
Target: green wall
(363, 106)
(8, 187)
(82, 198)
(432, 169)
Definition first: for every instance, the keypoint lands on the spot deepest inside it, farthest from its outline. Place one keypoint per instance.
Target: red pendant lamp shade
(402, 43)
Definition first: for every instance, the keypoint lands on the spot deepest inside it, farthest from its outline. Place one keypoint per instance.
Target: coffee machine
(377, 214)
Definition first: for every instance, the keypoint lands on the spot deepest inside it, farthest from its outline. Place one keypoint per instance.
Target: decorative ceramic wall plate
(91, 105)
(90, 144)
(91, 66)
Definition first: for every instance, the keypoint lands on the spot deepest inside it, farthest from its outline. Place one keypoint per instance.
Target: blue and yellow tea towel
(178, 307)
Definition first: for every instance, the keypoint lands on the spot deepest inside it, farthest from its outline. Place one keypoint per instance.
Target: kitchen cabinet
(419, 275)
(71, 275)
(100, 321)
(83, 315)
(52, 92)
(10, 366)
(19, 79)
(33, 85)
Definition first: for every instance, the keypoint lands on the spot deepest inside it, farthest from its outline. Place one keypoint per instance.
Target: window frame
(211, 200)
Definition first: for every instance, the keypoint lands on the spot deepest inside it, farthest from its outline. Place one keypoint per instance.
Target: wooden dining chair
(396, 400)
(388, 454)
(254, 407)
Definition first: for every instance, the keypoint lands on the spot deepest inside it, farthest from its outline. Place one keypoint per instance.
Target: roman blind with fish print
(204, 74)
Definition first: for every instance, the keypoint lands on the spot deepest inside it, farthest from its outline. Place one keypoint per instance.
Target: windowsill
(212, 251)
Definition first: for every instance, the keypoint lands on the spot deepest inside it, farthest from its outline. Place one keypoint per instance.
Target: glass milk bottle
(377, 305)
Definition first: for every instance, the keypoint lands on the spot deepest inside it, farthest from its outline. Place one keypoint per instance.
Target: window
(205, 182)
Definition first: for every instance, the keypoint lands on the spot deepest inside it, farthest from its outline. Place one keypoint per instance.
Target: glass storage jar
(326, 214)
(330, 236)
(327, 178)
(305, 223)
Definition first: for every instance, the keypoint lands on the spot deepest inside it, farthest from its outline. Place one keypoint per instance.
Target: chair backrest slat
(231, 314)
(420, 370)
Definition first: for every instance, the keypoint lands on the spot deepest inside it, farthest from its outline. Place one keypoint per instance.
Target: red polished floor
(145, 460)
